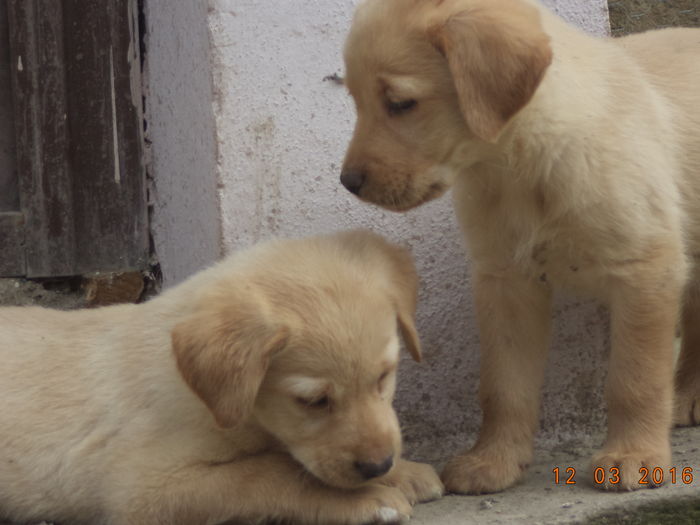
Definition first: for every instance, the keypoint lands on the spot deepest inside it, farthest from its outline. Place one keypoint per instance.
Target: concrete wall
(281, 132)
(185, 219)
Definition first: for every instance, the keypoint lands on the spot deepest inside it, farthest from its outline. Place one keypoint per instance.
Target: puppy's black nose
(374, 470)
(352, 180)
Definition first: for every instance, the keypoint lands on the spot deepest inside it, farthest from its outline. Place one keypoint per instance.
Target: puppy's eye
(401, 106)
(317, 403)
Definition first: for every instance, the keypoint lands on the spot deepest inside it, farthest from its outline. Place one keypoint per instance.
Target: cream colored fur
(574, 163)
(181, 411)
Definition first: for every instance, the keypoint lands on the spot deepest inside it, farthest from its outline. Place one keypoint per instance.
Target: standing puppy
(260, 388)
(574, 162)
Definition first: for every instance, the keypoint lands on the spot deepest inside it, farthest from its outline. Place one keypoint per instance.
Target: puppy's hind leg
(687, 401)
(644, 313)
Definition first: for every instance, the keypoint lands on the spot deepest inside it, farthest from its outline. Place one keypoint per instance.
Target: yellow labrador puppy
(574, 162)
(260, 388)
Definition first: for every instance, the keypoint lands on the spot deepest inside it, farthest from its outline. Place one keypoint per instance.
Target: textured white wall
(185, 220)
(282, 132)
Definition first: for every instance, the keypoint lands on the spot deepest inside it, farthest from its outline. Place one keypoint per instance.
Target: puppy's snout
(353, 180)
(374, 470)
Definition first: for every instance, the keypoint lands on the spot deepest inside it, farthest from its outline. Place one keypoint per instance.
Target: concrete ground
(537, 500)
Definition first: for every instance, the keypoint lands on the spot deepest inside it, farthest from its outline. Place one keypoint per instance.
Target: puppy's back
(653, 49)
(47, 375)
(671, 59)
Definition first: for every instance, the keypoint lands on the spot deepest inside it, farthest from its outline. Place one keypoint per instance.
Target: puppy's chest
(554, 258)
(516, 232)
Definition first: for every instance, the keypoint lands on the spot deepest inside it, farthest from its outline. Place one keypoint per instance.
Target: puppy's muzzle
(353, 180)
(374, 470)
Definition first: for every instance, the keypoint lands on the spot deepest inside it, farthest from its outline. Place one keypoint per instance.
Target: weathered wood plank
(38, 86)
(12, 244)
(105, 125)
(78, 124)
(9, 193)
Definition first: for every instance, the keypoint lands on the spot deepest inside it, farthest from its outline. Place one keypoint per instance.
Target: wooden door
(78, 201)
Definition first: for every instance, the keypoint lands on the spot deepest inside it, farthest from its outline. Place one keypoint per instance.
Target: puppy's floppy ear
(222, 352)
(406, 299)
(401, 275)
(497, 53)
(404, 281)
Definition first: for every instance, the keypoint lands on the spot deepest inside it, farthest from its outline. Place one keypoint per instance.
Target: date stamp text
(611, 476)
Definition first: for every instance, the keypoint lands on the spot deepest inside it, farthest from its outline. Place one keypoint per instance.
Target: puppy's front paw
(374, 503)
(418, 481)
(482, 471)
(620, 469)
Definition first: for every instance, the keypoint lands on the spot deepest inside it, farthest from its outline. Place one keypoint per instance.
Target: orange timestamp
(611, 476)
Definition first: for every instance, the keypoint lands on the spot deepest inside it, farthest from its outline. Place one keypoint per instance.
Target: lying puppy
(575, 162)
(261, 387)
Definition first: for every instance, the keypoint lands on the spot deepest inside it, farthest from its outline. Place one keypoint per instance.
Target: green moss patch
(671, 512)
(634, 16)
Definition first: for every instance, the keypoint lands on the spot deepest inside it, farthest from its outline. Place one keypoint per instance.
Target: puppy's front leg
(514, 319)
(271, 486)
(418, 481)
(644, 309)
